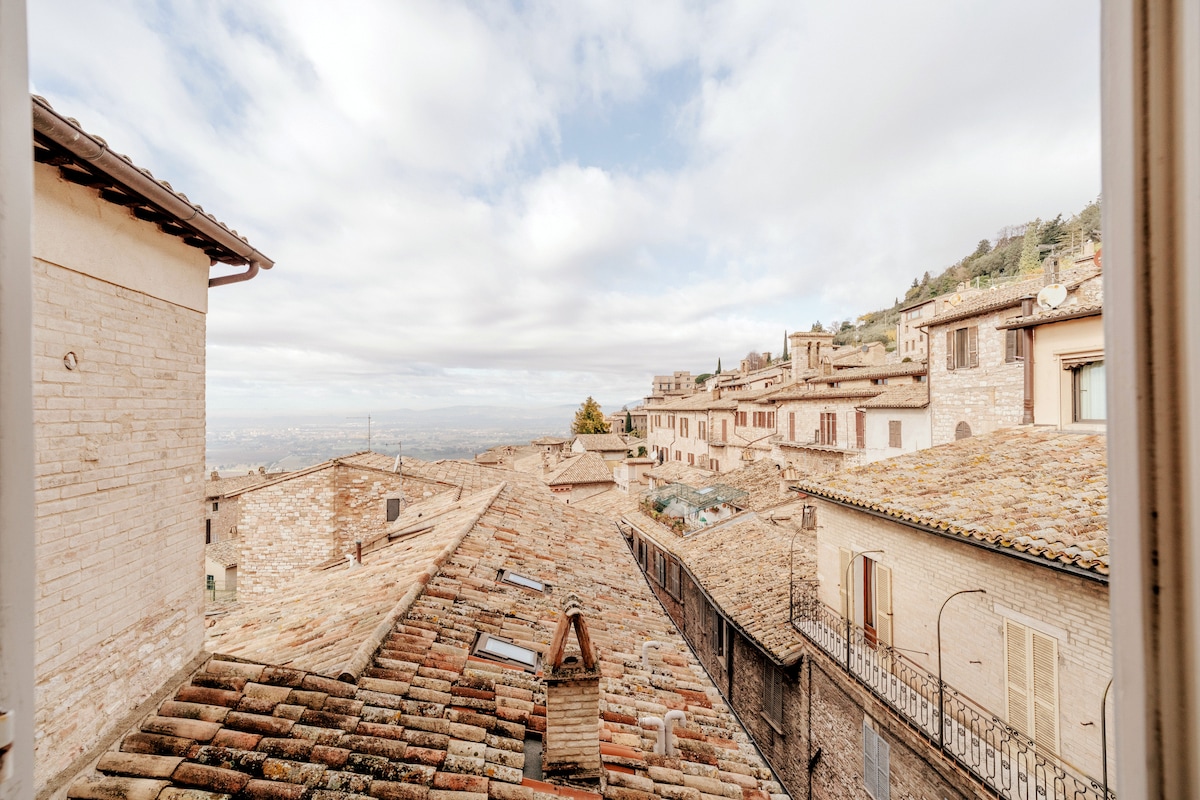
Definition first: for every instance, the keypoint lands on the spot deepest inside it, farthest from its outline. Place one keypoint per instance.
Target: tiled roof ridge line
(357, 663)
(968, 536)
(286, 476)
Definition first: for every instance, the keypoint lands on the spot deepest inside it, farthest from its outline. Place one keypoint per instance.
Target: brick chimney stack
(572, 746)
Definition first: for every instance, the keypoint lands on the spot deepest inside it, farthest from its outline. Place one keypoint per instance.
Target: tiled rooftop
(744, 566)
(877, 371)
(1007, 296)
(427, 720)
(613, 503)
(911, 395)
(325, 620)
(809, 392)
(678, 472)
(587, 468)
(761, 480)
(701, 402)
(601, 442)
(238, 483)
(1034, 490)
(1063, 312)
(224, 552)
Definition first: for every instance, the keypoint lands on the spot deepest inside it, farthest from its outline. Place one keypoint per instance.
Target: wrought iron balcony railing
(1001, 758)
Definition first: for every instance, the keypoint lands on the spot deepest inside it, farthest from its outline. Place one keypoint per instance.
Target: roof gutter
(95, 151)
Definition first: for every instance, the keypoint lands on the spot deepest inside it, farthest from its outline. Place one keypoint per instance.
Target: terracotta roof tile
(428, 720)
(584, 469)
(1063, 312)
(601, 442)
(678, 472)
(224, 552)
(877, 371)
(911, 395)
(1034, 490)
(1007, 296)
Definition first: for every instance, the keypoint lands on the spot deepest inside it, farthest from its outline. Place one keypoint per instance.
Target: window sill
(775, 726)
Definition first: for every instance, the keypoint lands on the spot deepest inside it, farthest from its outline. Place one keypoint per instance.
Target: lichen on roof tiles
(1036, 490)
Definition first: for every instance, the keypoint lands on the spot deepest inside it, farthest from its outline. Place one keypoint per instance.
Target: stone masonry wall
(224, 520)
(362, 503)
(120, 459)
(987, 397)
(285, 527)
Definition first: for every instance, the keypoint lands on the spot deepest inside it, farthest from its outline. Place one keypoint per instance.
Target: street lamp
(941, 685)
(846, 583)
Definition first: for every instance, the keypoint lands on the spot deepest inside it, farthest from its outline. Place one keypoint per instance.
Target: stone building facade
(119, 331)
(313, 515)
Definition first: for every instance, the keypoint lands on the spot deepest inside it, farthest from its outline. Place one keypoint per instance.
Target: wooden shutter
(973, 346)
(883, 604)
(791, 426)
(860, 429)
(1043, 652)
(724, 430)
(1016, 676)
(894, 438)
(844, 605)
(950, 350)
(1010, 345)
(772, 693)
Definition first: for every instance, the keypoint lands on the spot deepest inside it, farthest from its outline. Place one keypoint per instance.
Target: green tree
(1031, 259)
(589, 418)
(817, 327)
(785, 344)
(718, 366)
(628, 421)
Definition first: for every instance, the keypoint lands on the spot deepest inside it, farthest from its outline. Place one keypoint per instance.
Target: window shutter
(791, 426)
(894, 438)
(1010, 346)
(1016, 676)
(973, 346)
(870, 767)
(844, 606)
(882, 773)
(1044, 663)
(950, 350)
(883, 604)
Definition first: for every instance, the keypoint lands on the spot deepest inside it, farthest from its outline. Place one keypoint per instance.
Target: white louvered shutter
(1044, 669)
(883, 604)
(870, 770)
(883, 787)
(844, 606)
(1016, 676)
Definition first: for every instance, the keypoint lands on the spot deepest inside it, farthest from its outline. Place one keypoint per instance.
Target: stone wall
(987, 397)
(306, 519)
(223, 521)
(120, 460)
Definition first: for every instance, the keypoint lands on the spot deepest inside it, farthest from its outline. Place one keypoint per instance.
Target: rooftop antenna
(398, 468)
(368, 418)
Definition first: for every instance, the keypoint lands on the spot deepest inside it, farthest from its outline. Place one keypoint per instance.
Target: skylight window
(500, 649)
(517, 579)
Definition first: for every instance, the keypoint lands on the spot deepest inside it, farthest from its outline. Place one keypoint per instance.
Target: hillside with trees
(1016, 250)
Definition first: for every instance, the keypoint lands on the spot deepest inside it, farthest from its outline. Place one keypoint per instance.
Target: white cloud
(404, 165)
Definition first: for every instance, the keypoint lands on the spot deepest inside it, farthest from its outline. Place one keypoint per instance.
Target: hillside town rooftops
(367, 460)
(700, 402)
(86, 159)
(223, 487)
(678, 472)
(1007, 296)
(910, 395)
(1034, 491)
(761, 481)
(224, 552)
(584, 469)
(435, 714)
(811, 392)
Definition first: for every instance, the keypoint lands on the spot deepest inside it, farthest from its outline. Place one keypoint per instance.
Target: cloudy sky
(530, 202)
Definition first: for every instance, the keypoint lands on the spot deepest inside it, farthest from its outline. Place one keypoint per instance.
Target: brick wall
(927, 569)
(120, 459)
(224, 520)
(304, 520)
(987, 397)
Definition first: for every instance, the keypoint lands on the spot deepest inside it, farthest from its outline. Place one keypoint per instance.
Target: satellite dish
(1052, 296)
(955, 299)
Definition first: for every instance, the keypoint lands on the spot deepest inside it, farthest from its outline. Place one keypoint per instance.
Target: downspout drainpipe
(239, 277)
(1027, 341)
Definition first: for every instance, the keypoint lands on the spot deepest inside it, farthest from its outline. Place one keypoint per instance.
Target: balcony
(1000, 758)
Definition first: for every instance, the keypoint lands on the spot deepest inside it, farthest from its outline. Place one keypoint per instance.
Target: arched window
(963, 431)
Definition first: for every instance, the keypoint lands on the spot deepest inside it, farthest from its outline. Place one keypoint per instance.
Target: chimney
(572, 746)
(262, 470)
(215, 475)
